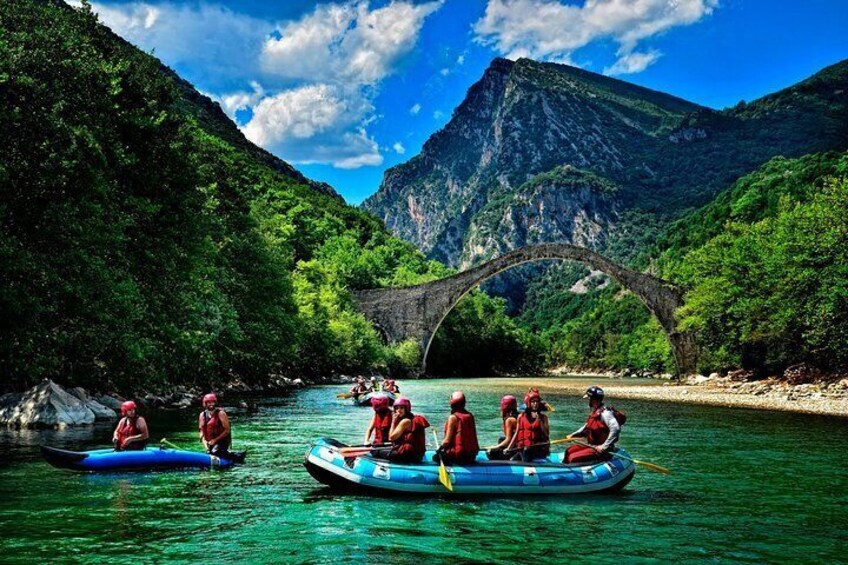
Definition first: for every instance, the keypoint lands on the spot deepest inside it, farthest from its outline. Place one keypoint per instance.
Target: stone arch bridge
(416, 312)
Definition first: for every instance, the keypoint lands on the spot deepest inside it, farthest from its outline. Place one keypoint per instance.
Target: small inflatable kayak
(543, 476)
(365, 399)
(149, 459)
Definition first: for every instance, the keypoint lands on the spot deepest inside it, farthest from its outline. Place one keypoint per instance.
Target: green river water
(747, 487)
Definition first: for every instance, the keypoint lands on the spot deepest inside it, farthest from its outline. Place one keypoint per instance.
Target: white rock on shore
(49, 405)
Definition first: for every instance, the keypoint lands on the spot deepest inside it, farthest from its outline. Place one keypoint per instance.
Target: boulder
(45, 405)
(714, 376)
(110, 402)
(101, 412)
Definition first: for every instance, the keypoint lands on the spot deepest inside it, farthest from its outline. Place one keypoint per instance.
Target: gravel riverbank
(769, 394)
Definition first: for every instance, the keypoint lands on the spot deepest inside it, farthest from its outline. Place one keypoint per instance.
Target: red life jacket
(597, 431)
(413, 443)
(382, 426)
(530, 433)
(127, 427)
(211, 425)
(464, 446)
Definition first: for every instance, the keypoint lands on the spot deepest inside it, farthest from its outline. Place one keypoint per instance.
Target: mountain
(545, 152)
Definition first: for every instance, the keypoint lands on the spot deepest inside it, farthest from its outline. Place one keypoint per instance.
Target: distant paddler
(359, 388)
(601, 430)
(131, 433)
(459, 445)
(389, 385)
(509, 416)
(375, 386)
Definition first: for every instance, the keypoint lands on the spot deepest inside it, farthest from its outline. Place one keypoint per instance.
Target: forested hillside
(765, 266)
(145, 242)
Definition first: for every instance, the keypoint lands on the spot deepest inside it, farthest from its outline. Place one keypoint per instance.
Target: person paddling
(359, 388)
(407, 434)
(533, 430)
(459, 445)
(509, 415)
(214, 425)
(131, 433)
(601, 430)
(375, 386)
(381, 423)
(389, 385)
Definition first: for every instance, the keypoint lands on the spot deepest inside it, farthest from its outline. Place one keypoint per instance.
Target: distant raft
(149, 459)
(326, 464)
(365, 399)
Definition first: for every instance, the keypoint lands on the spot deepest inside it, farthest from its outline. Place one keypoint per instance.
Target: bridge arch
(416, 312)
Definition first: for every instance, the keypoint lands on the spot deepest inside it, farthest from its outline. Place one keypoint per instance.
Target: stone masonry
(415, 312)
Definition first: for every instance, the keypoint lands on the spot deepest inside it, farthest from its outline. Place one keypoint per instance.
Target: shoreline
(759, 395)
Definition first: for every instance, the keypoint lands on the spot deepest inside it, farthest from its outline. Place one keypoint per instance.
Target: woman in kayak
(509, 415)
(534, 432)
(407, 434)
(131, 432)
(381, 423)
(601, 430)
(460, 443)
(214, 427)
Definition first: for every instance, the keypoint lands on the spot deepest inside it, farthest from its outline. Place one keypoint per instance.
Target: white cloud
(315, 124)
(438, 115)
(232, 103)
(212, 40)
(634, 62)
(461, 59)
(346, 42)
(444, 72)
(415, 109)
(550, 30)
(399, 148)
(312, 81)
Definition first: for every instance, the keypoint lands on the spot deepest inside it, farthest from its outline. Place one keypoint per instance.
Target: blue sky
(344, 90)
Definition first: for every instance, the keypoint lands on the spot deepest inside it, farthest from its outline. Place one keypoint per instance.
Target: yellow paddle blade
(344, 395)
(550, 406)
(652, 467)
(444, 478)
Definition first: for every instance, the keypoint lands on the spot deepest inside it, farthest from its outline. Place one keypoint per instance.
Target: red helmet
(127, 406)
(403, 402)
(531, 395)
(457, 399)
(509, 401)
(210, 398)
(379, 403)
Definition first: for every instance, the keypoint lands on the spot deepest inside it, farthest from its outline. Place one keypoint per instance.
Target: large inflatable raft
(149, 459)
(365, 399)
(544, 476)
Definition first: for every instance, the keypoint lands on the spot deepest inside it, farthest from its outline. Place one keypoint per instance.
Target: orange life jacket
(211, 425)
(127, 428)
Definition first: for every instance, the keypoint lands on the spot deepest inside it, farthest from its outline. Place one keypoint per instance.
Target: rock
(696, 379)
(740, 375)
(298, 383)
(112, 402)
(101, 412)
(45, 405)
(714, 376)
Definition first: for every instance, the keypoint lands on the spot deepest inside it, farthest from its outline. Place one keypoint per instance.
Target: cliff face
(542, 152)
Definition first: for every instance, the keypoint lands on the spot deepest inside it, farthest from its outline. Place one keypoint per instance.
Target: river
(746, 487)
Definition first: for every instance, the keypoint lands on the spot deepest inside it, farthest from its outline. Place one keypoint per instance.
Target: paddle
(357, 451)
(344, 395)
(443, 473)
(169, 444)
(645, 464)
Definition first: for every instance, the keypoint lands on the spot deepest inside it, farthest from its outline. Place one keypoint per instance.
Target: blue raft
(149, 459)
(365, 399)
(544, 476)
